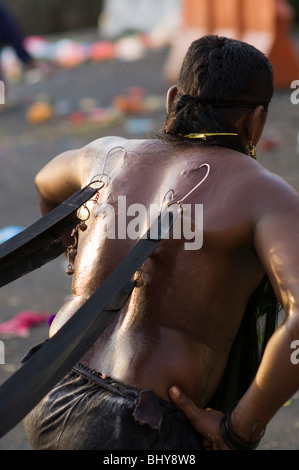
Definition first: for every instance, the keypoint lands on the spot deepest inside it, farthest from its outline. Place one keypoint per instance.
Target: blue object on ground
(8, 232)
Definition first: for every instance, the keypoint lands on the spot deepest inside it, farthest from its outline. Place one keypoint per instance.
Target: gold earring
(251, 150)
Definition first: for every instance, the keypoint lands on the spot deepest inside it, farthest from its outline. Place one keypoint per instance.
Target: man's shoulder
(104, 143)
(254, 188)
(272, 190)
(273, 181)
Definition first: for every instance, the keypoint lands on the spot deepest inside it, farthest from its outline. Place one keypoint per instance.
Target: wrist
(231, 437)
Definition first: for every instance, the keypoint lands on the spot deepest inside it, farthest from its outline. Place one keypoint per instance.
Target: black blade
(41, 242)
(24, 389)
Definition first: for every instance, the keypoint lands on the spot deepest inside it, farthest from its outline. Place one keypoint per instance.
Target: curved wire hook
(197, 186)
(180, 201)
(107, 155)
(164, 199)
(100, 180)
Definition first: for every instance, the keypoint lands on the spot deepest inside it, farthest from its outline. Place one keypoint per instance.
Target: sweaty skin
(178, 325)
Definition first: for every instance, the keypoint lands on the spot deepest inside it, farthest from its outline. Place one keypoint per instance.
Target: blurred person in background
(10, 35)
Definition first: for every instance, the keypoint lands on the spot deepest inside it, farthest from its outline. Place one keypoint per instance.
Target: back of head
(219, 79)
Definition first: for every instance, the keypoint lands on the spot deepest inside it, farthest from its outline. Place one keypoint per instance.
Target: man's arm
(59, 179)
(69, 172)
(276, 243)
(72, 170)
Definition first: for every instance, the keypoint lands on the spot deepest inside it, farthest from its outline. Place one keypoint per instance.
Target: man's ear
(255, 124)
(172, 92)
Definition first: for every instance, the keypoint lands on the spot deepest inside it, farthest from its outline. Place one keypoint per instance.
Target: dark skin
(178, 326)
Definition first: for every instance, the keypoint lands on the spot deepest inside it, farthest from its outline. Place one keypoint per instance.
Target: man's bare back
(179, 323)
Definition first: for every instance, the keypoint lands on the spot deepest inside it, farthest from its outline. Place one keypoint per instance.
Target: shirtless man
(178, 325)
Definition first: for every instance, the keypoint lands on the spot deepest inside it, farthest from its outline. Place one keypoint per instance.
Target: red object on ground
(21, 324)
(102, 50)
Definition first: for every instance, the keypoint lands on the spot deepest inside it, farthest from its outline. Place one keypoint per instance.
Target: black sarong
(87, 412)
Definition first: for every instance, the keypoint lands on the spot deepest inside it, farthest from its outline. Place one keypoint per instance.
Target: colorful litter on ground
(133, 108)
(69, 53)
(21, 324)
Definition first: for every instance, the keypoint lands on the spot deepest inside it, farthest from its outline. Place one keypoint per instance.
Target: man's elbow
(292, 322)
(46, 203)
(38, 181)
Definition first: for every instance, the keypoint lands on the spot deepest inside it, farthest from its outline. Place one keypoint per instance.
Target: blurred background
(78, 70)
(51, 17)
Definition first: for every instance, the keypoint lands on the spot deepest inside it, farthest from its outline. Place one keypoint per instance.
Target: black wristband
(231, 439)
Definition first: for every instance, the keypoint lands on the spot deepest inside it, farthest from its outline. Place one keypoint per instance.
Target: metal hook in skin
(197, 186)
(100, 179)
(180, 202)
(164, 199)
(107, 155)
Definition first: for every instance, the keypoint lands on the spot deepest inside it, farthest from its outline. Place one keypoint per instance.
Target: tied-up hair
(192, 115)
(187, 99)
(219, 78)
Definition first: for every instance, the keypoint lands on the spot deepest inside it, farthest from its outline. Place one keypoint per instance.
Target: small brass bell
(83, 226)
(69, 270)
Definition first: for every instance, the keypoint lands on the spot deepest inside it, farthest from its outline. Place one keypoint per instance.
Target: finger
(192, 412)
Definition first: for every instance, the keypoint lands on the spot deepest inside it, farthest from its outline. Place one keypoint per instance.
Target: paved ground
(24, 149)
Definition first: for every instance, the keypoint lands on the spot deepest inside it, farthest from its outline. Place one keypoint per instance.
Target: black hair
(219, 77)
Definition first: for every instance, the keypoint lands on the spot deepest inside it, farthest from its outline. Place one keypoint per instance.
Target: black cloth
(87, 412)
